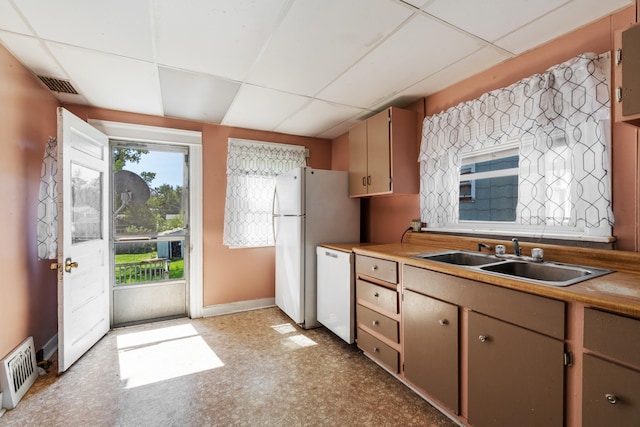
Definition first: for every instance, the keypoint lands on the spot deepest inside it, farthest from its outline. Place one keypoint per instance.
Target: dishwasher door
(336, 292)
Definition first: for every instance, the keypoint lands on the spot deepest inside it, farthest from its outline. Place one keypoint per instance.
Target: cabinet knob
(443, 322)
(364, 181)
(483, 338)
(376, 349)
(375, 323)
(376, 295)
(611, 398)
(374, 268)
(369, 180)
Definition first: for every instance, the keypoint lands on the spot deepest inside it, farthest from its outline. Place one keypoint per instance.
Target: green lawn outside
(176, 267)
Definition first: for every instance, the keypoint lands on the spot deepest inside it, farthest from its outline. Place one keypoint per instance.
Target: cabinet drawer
(612, 335)
(610, 394)
(385, 298)
(378, 350)
(378, 323)
(377, 268)
(541, 314)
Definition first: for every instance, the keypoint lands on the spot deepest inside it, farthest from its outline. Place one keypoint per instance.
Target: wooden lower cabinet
(431, 353)
(516, 376)
(611, 394)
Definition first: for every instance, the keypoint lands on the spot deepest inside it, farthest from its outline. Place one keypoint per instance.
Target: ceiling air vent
(57, 85)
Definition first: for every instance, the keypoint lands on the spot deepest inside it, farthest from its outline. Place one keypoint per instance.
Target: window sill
(507, 231)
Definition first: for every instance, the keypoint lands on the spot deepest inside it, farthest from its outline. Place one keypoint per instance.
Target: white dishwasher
(336, 292)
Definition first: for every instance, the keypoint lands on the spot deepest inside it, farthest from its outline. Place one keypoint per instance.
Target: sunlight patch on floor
(161, 354)
(293, 342)
(285, 328)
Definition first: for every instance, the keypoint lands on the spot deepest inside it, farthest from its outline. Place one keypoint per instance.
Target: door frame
(193, 140)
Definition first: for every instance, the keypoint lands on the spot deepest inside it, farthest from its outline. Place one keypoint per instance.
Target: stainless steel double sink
(541, 273)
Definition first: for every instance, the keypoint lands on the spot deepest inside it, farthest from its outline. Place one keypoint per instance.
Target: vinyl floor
(254, 368)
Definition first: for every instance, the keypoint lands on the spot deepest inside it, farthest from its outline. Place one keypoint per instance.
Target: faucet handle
(500, 249)
(537, 254)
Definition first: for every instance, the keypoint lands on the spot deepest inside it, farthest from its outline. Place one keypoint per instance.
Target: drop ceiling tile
(33, 54)
(412, 53)
(121, 27)
(195, 96)
(110, 81)
(491, 19)
(316, 117)
(339, 130)
(416, 3)
(260, 108)
(10, 20)
(319, 40)
(217, 37)
(564, 20)
(468, 66)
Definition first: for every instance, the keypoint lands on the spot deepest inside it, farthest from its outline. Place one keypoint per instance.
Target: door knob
(68, 265)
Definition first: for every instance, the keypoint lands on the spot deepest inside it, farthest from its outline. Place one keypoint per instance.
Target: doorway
(149, 232)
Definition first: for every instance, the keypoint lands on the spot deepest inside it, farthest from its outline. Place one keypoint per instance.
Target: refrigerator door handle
(273, 214)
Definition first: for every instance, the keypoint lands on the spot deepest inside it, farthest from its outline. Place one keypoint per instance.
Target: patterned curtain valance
(252, 168)
(252, 158)
(557, 117)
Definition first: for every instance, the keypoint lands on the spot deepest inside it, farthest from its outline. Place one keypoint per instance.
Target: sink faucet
(483, 245)
(516, 247)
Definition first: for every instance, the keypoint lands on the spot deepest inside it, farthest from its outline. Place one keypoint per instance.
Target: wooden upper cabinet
(383, 154)
(626, 102)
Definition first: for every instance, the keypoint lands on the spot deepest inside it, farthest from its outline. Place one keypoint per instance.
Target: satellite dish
(131, 188)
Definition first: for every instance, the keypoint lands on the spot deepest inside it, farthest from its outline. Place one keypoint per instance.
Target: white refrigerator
(311, 206)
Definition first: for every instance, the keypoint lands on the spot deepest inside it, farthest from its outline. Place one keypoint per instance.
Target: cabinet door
(358, 160)
(516, 376)
(630, 71)
(610, 394)
(379, 154)
(431, 347)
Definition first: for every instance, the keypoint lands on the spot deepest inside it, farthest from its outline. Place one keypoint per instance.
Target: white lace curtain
(48, 203)
(251, 171)
(561, 120)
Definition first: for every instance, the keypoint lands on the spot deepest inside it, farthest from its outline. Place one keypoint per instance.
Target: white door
(83, 267)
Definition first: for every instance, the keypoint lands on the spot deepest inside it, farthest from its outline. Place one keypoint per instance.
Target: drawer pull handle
(374, 268)
(376, 350)
(611, 398)
(375, 323)
(376, 295)
(443, 322)
(483, 338)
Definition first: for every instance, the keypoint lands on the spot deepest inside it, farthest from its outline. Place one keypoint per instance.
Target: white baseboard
(50, 347)
(235, 307)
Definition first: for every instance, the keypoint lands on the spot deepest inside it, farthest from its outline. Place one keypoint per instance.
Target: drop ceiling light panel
(260, 108)
(318, 40)
(491, 19)
(195, 96)
(221, 38)
(121, 27)
(316, 117)
(408, 56)
(110, 81)
(564, 20)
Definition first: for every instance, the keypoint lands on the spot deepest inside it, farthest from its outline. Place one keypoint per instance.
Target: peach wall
(28, 289)
(230, 275)
(386, 218)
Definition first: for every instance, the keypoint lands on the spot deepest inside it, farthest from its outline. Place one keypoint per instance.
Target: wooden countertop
(344, 247)
(618, 291)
